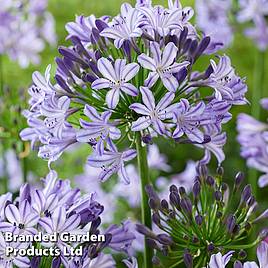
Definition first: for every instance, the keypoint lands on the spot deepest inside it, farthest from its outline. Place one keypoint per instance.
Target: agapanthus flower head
(253, 138)
(56, 207)
(25, 28)
(128, 79)
(208, 220)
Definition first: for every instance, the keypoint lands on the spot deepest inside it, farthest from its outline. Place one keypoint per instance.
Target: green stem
(145, 210)
(259, 70)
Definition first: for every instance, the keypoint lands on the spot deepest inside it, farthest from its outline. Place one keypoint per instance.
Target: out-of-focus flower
(213, 19)
(253, 138)
(220, 261)
(25, 27)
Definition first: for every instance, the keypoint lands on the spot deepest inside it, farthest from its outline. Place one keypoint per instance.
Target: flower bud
(147, 139)
(186, 205)
(238, 264)
(173, 188)
(239, 179)
(210, 181)
(246, 194)
(196, 189)
(198, 219)
(242, 254)
(164, 204)
(210, 247)
(156, 261)
(174, 199)
(156, 219)
(218, 196)
(230, 223)
(188, 259)
(164, 239)
(220, 171)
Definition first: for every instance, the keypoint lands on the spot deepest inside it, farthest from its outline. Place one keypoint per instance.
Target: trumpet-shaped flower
(163, 65)
(116, 78)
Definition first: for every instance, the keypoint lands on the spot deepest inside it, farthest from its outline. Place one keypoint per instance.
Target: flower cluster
(212, 17)
(256, 13)
(253, 138)
(56, 208)
(209, 220)
(128, 79)
(25, 26)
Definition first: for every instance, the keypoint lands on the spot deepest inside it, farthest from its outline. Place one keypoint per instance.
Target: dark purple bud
(108, 239)
(151, 243)
(251, 201)
(208, 72)
(220, 171)
(172, 214)
(153, 204)
(101, 25)
(56, 262)
(193, 47)
(156, 261)
(61, 82)
(239, 179)
(238, 264)
(164, 250)
(248, 226)
(182, 190)
(35, 262)
(218, 196)
(186, 46)
(246, 194)
(202, 171)
(230, 223)
(95, 36)
(224, 186)
(164, 204)
(210, 181)
(174, 199)
(186, 205)
(173, 188)
(188, 259)
(183, 36)
(186, 237)
(72, 55)
(198, 219)
(90, 78)
(93, 67)
(94, 225)
(147, 139)
(196, 189)
(181, 75)
(144, 230)
(242, 254)
(210, 247)
(62, 68)
(202, 47)
(127, 49)
(164, 239)
(156, 219)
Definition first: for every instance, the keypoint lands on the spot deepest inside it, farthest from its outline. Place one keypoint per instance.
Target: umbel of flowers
(54, 209)
(210, 225)
(127, 79)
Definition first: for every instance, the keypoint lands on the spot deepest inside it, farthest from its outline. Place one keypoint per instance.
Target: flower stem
(259, 70)
(145, 210)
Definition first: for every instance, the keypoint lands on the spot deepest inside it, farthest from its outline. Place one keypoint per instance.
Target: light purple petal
(58, 218)
(169, 54)
(151, 79)
(148, 98)
(106, 68)
(140, 124)
(139, 108)
(130, 71)
(170, 83)
(112, 98)
(146, 62)
(130, 89)
(100, 83)
(12, 214)
(165, 101)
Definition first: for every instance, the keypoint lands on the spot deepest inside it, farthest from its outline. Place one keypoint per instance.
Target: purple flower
(214, 146)
(59, 223)
(116, 78)
(161, 21)
(153, 115)
(56, 111)
(187, 121)
(125, 26)
(22, 219)
(264, 103)
(212, 19)
(163, 65)
(112, 162)
(121, 237)
(100, 127)
(220, 261)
